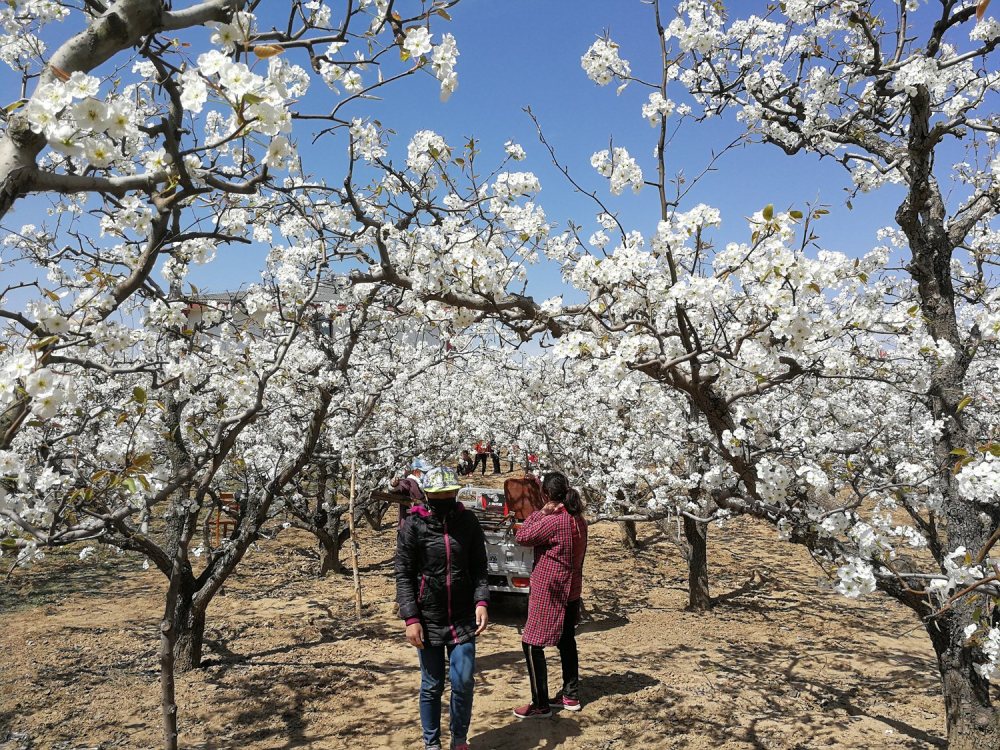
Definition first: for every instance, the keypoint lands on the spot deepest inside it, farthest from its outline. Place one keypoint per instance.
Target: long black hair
(556, 487)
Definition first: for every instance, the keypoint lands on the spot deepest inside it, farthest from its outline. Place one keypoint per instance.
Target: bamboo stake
(354, 544)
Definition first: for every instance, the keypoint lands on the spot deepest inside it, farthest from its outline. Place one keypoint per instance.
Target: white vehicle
(509, 563)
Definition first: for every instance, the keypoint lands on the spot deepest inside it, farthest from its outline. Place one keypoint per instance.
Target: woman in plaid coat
(558, 533)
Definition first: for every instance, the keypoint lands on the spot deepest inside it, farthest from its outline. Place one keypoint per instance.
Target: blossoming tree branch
(845, 398)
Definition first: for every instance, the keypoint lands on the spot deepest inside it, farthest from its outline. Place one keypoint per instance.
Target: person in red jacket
(558, 532)
(481, 454)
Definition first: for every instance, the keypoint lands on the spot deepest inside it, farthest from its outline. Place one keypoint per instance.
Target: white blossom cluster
(856, 579)
(425, 149)
(979, 480)
(757, 371)
(620, 168)
(444, 56)
(510, 184)
(602, 63)
(21, 24)
(657, 108)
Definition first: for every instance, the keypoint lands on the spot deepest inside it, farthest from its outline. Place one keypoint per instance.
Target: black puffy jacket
(441, 573)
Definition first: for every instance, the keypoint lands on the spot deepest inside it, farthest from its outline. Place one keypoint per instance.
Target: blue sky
(517, 53)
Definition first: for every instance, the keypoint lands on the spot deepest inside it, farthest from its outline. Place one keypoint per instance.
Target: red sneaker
(532, 711)
(562, 701)
(461, 746)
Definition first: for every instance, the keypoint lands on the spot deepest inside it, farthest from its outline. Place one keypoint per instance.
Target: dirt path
(770, 667)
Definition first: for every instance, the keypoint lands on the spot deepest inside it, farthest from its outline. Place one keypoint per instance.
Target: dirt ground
(781, 661)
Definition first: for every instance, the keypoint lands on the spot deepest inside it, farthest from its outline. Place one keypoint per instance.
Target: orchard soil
(780, 662)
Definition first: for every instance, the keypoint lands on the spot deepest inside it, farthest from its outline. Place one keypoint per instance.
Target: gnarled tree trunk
(973, 722)
(189, 630)
(331, 542)
(627, 528)
(696, 556)
(629, 538)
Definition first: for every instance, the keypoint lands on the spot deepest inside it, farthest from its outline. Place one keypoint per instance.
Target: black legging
(538, 672)
(480, 457)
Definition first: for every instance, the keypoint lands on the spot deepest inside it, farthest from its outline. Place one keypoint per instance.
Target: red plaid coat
(552, 576)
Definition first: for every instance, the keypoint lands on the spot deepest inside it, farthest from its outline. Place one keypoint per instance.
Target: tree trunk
(696, 555)
(326, 526)
(168, 701)
(330, 551)
(627, 528)
(189, 630)
(176, 625)
(973, 722)
(354, 546)
(629, 535)
(375, 517)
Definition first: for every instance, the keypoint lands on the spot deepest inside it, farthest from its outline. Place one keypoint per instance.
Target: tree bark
(696, 556)
(972, 722)
(627, 528)
(629, 538)
(188, 629)
(185, 627)
(168, 701)
(330, 545)
(174, 625)
(329, 532)
(375, 517)
(354, 544)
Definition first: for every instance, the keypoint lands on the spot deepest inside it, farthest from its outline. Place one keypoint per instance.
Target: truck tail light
(521, 583)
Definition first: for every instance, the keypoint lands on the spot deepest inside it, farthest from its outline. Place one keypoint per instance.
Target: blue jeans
(462, 660)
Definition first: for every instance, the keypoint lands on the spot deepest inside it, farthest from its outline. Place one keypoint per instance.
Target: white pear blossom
(620, 168)
(417, 41)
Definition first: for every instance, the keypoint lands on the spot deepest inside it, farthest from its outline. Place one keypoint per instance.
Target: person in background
(531, 462)
(558, 532)
(418, 468)
(409, 487)
(465, 464)
(491, 448)
(481, 452)
(514, 454)
(443, 594)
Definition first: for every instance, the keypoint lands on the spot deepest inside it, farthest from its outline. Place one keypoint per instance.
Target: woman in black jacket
(443, 593)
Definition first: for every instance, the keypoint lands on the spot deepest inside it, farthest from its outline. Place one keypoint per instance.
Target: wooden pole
(354, 544)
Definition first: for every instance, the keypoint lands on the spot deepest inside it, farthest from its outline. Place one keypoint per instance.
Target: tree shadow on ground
(826, 684)
(775, 695)
(498, 660)
(329, 632)
(599, 619)
(756, 582)
(275, 702)
(64, 575)
(596, 686)
(547, 733)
